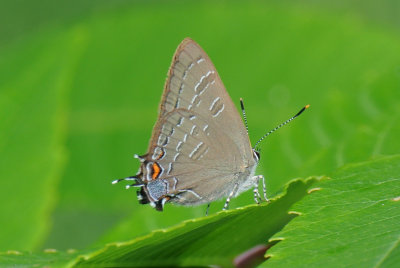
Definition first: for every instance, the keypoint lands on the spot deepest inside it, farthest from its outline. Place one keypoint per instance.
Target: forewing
(194, 84)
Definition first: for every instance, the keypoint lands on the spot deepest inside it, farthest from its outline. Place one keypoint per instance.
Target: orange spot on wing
(156, 171)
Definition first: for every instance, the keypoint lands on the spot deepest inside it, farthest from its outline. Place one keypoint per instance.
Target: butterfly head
(256, 154)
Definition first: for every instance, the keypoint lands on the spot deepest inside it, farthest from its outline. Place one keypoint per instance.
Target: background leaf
(47, 258)
(82, 80)
(33, 102)
(351, 222)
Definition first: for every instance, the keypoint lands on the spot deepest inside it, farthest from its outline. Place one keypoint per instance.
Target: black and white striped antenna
(279, 126)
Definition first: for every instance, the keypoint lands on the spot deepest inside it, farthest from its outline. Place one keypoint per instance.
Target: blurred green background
(80, 83)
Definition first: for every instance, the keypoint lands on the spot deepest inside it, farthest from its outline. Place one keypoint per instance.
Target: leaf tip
(267, 256)
(396, 199)
(275, 240)
(314, 190)
(13, 252)
(295, 213)
(50, 250)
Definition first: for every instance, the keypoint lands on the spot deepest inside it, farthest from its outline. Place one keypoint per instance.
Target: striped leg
(257, 197)
(264, 188)
(226, 206)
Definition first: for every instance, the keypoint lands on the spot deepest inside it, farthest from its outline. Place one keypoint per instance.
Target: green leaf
(33, 107)
(353, 221)
(216, 239)
(48, 258)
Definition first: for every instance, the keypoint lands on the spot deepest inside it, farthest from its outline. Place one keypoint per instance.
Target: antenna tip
(306, 107)
(241, 104)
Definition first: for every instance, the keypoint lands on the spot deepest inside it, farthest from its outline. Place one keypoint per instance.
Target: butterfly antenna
(244, 115)
(280, 125)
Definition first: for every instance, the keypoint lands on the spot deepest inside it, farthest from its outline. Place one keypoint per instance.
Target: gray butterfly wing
(189, 152)
(193, 83)
(199, 141)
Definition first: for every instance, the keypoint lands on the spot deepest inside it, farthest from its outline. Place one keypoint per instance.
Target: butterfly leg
(226, 206)
(208, 208)
(264, 188)
(257, 197)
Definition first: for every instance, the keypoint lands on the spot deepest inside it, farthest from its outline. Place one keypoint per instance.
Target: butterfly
(199, 151)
